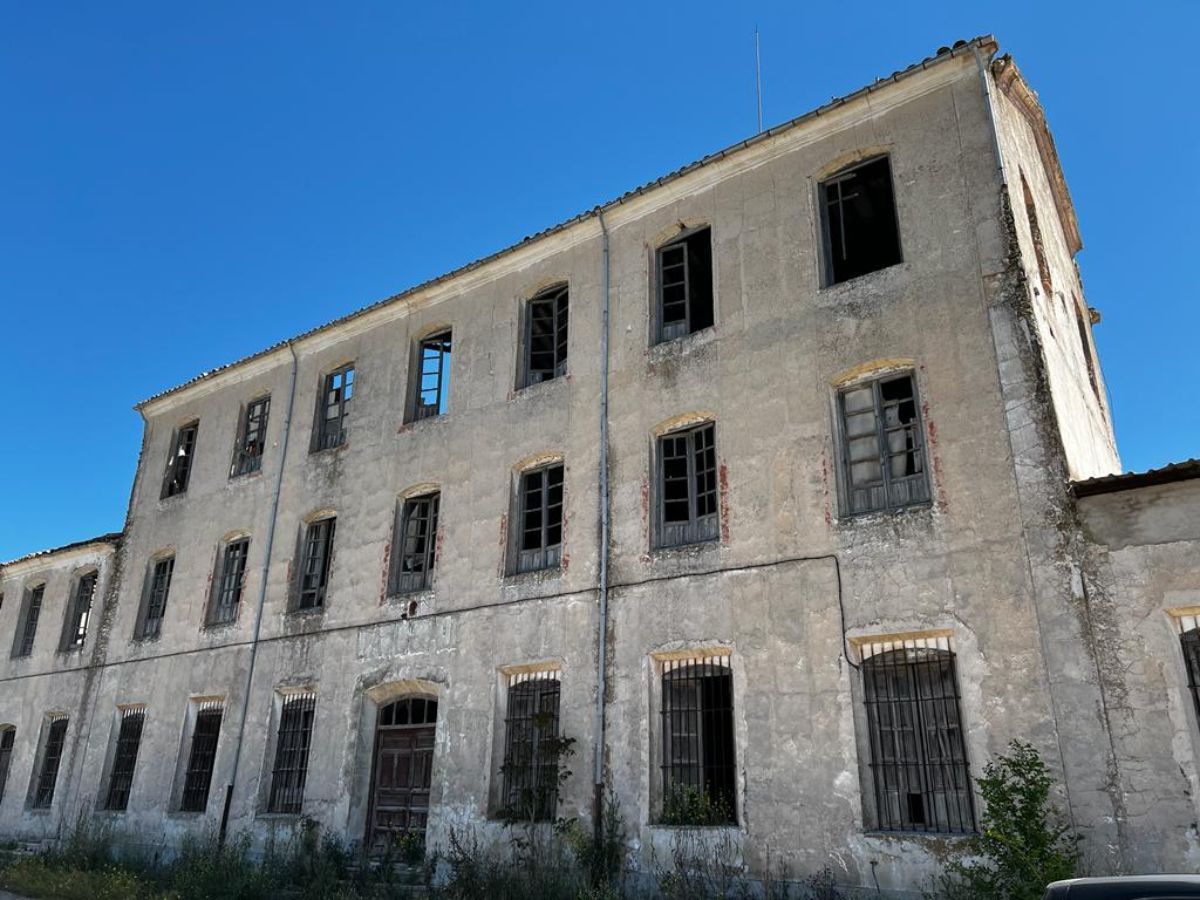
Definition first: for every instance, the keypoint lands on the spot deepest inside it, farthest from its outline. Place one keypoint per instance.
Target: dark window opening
(531, 748)
(27, 633)
(252, 437)
(861, 232)
(79, 613)
(698, 764)
(7, 738)
(685, 285)
(179, 467)
(1085, 341)
(433, 376)
(883, 460)
(120, 781)
(314, 564)
(333, 408)
(228, 582)
(154, 604)
(540, 515)
(1039, 248)
(56, 738)
(291, 754)
(546, 336)
(687, 481)
(198, 777)
(918, 759)
(415, 544)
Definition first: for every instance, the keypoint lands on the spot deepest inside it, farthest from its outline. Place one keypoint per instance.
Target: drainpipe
(986, 84)
(602, 625)
(262, 597)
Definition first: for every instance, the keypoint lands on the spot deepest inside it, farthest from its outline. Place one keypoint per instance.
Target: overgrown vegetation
(686, 804)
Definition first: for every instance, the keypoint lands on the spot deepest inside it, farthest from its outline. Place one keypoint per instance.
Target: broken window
(859, 212)
(883, 460)
(540, 514)
(433, 376)
(531, 747)
(415, 544)
(685, 284)
(546, 336)
(687, 482)
(129, 738)
(154, 597)
(79, 613)
(47, 772)
(27, 630)
(198, 777)
(918, 760)
(179, 466)
(8, 737)
(252, 437)
(228, 581)
(333, 408)
(291, 753)
(1035, 233)
(316, 557)
(698, 768)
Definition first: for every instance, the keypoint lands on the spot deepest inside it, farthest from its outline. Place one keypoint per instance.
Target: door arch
(401, 770)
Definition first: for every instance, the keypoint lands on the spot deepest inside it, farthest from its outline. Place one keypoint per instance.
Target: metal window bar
(229, 582)
(541, 497)
(530, 770)
(252, 439)
(198, 777)
(918, 757)
(698, 759)
(7, 740)
(33, 612)
(546, 336)
(75, 630)
(433, 376)
(883, 456)
(291, 753)
(416, 543)
(179, 468)
(314, 567)
(334, 409)
(129, 738)
(158, 588)
(56, 737)
(688, 510)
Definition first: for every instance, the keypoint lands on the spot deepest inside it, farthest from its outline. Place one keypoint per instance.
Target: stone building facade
(756, 482)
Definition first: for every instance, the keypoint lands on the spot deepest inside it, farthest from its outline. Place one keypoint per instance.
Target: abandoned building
(785, 486)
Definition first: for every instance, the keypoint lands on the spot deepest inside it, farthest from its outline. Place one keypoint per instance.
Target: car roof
(1128, 887)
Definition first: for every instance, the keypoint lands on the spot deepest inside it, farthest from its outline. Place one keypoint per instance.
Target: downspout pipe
(256, 629)
(602, 591)
(986, 84)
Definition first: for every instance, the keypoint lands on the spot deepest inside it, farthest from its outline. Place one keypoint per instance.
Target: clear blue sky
(183, 184)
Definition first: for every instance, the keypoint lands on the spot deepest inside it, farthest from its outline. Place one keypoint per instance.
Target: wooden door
(403, 772)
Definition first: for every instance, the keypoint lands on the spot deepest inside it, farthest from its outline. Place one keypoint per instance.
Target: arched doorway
(401, 771)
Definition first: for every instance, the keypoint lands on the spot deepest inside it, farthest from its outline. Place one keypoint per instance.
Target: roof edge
(1184, 470)
(113, 538)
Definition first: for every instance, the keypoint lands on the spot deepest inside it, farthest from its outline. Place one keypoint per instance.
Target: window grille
(56, 737)
(333, 410)
(23, 645)
(8, 737)
(315, 562)
(120, 781)
(79, 613)
(698, 759)
(918, 757)
(546, 336)
(158, 586)
(541, 508)
(531, 750)
(433, 376)
(415, 544)
(861, 231)
(229, 581)
(685, 288)
(252, 437)
(291, 753)
(687, 480)
(205, 735)
(179, 466)
(883, 455)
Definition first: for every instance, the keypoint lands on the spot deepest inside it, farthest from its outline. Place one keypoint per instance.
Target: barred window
(316, 556)
(333, 408)
(198, 777)
(859, 217)
(228, 581)
(179, 466)
(79, 613)
(687, 487)
(8, 737)
(415, 544)
(30, 614)
(120, 780)
(685, 284)
(433, 376)
(698, 760)
(154, 597)
(291, 753)
(47, 774)
(918, 757)
(883, 454)
(540, 514)
(546, 336)
(531, 747)
(251, 437)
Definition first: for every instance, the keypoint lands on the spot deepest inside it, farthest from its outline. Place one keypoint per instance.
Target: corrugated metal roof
(113, 537)
(960, 47)
(1109, 484)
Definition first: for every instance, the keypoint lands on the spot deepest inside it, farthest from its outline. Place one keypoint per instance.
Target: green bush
(43, 878)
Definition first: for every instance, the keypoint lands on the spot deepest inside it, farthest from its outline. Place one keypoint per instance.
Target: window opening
(531, 747)
(80, 613)
(334, 409)
(415, 544)
(205, 735)
(56, 737)
(157, 588)
(1035, 233)
(23, 646)
(1086, 343)
(861, 232)
(698, 763)
(291, 753)
(541, 503)
(8, 738)
(688, 487)
(546, 337)
(433, 376)
(252, 437)
(883, 459)
(229, 582)
(314, 566)
(129, 738)
(685, 285)
(179, 467)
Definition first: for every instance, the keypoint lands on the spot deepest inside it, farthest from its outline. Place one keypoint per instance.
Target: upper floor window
(546, 336)
(433, 376)
(883, 458)
(291, 753)
(27, 625)
(685, 284)
(698, 761)
(251, 437)
(228, 581)
(315, 558)
(333, 408)
(154, 597)
(531, 747)
(859, 217)
(46, 774)
(414, 546)
(540, 514)
(687, 487)
(179, 466)
(79, 613)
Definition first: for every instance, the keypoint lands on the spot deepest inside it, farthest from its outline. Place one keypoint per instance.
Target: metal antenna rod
(758, 77)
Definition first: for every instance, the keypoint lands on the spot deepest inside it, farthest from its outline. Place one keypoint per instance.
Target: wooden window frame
(557, 300)
(183, 454)
(315, 562)
(414, 556)
(79, 612)
(703, 524)
(229, 582)
(31, 613)
(251, 442)
(547, 553)
(160, 572)
(337, 393)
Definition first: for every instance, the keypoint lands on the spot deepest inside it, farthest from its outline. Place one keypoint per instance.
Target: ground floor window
(531, 747)
(698, 759)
